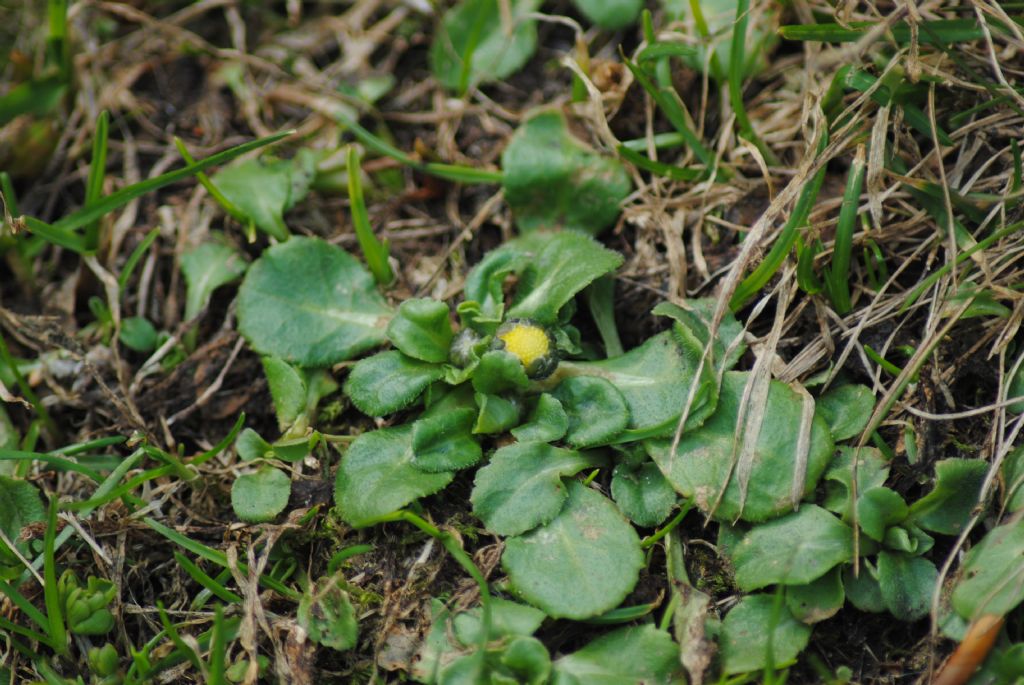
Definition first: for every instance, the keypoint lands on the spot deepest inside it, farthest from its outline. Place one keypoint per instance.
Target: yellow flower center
(528, 343)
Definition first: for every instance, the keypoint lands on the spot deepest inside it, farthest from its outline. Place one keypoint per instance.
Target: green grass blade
(784, 243)
(218, 647)
(961, 257)
(451, 172)
(672, 107)
(197, 574)
(98, 500)
(837, 282)
(14, 628)
(217, 557)
(58, 463)
(737, 58)
(374, 251)
(97, 172)
(697, 12)
(229, 206)
(58, 53)
(172, 633)
(58, 236)
(10, 197)
(134, 258)
(23, 386)
(940, 32)
(228, 439)
(29, 609)
(660, 140)
(122, 197)
(51, 597)
(204, 639)
(669, 171)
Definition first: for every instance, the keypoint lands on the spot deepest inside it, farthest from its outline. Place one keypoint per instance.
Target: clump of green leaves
(554, 181)
(462, 390)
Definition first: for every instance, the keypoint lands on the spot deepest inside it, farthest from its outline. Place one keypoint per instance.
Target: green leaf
(377, 476)
(507, 618)
(499, 371)
(251, 446)
(437, 649)
(908, 538)
(992, 575)
(720, 16)
(847, 410)
(947, 508)
(643, 494)
(206, 268)
(92, 212)
(872, 471)
(610, 14)
(388, 381)
(635, 654)
(444, 442)
(138, 334)
(260, 496)
(310, 303)
(596, 410)
(792, 550)
(287, 389)
(552, 180)
(906, 584)
(579, 565)
(86, 607)
(326, 614)
(38, 96)
(263, 191)
(863, 590)
(703, 464)
(521, 488)
(745, 636)
(548, 422)
(1016, 389)
(654, 380)
(818, 600)
(878, 509)
(475, 32)
(19, 506)
(1013, 479)
(485, 281)
(294, 449)
(566, 264)
(497, 414)
(469, 669)
(524, 660)
(696, 318)
(422, 330)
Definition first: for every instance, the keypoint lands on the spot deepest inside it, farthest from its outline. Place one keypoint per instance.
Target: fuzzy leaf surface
(636, 654)
(552, 180)
(389, 381)
(522, 488)
(792, 550)
(582, 563)
(745, 630)
(702, 464)
(310, 303)
(377, 476)
(654, 380)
